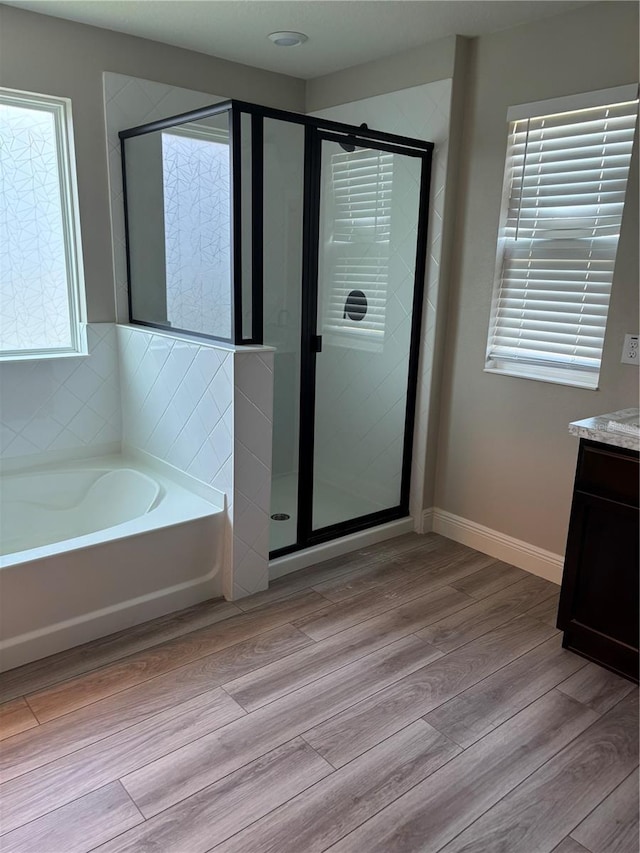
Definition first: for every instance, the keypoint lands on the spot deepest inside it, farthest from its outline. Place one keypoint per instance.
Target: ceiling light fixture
(286, 39)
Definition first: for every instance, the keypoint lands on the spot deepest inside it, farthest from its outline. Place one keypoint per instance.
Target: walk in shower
(257, 226)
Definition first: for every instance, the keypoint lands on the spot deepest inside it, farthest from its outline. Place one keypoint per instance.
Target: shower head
(350, 147)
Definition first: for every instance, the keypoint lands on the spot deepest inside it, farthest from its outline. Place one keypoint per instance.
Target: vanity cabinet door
(599, 599)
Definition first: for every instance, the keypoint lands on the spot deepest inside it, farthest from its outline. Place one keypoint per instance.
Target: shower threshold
(331, 506)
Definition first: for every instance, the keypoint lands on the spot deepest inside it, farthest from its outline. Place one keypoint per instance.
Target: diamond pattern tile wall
(177, 403)
(207, 410)
(62, 404)
(253, 418)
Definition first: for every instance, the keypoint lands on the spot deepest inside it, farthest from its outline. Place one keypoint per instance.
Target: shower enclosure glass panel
(283, 239)
(252, 225)
(179, 223)
(368, 228)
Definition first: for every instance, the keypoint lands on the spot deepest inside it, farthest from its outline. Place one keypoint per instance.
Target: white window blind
(565, 184)
(361, 185)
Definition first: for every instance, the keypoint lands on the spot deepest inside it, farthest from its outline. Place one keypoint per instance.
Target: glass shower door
(366, 347)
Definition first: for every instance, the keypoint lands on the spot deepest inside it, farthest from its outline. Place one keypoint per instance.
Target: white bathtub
(104, 544)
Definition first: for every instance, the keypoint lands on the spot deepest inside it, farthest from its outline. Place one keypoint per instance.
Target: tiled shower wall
(179, 397)
(207, 410)
(55, 406)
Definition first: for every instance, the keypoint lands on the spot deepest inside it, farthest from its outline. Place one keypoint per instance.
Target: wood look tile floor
(412, 696)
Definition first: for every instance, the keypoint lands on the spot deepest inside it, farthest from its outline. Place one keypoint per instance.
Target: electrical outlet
(630, 351)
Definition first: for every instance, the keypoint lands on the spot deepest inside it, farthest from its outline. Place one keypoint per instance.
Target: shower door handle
(316, 343)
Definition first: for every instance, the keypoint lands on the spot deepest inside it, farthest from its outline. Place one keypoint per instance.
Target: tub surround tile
(62, 404)
(208, 412)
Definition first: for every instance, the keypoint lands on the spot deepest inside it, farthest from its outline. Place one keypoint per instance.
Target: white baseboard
(525, 556)
(427, 521)
(338, 547)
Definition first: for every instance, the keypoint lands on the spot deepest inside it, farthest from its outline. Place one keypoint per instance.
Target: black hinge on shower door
(316, 343)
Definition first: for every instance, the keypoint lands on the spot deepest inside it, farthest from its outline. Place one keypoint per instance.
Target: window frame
(556, 372)
(60, 109)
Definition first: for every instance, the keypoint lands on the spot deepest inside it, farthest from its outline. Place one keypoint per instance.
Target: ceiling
(341, 33)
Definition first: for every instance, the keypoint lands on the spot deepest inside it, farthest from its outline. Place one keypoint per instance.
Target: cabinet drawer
(611, 473)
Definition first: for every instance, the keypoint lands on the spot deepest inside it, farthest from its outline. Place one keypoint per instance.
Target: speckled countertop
(618, 428)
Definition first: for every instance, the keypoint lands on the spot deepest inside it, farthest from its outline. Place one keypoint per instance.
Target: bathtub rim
(199, 500)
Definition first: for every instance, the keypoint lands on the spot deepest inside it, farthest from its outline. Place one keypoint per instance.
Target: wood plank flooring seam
(344, 782)
(601, 844)
(421, 584)
(19, 756)
(525, 819)
(3, 835)
(72, 776)
(433, 813)
(344, 665)
(318, 603)
(119, 731)
(595, 809)
(330, 771)
(523, 781)
(478, 684)
(66, 657)
(381, 741)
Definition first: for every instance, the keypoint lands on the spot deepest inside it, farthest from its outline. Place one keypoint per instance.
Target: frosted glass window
(39, 263)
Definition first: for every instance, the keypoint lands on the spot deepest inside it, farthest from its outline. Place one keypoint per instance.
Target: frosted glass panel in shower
(179, 221)
(366, 269)
(283, 213)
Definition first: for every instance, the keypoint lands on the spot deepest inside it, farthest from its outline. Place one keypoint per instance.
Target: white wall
(54, 406)
(506, 461)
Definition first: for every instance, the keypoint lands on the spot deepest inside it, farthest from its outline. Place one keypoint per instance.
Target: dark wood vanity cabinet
(599, 598)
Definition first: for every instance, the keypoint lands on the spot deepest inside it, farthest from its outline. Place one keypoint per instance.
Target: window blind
(361, 183)
(565, 183)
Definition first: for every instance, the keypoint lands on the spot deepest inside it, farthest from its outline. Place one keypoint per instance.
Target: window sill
(561, 377)
(80, 351)
(8, 358)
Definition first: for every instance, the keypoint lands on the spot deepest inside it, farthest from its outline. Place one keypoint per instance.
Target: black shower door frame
(311, 344)
(317, 130)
